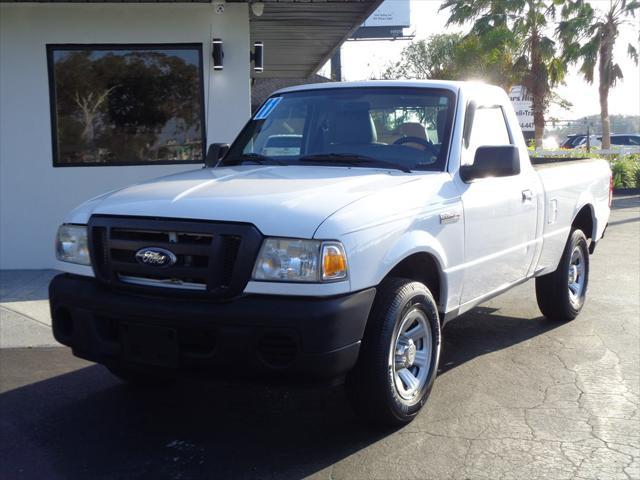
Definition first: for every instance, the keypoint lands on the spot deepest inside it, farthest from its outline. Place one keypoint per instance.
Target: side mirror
(492, 161)
(215, 153)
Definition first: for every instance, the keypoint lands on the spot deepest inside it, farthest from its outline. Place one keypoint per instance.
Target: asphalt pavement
(517, 397)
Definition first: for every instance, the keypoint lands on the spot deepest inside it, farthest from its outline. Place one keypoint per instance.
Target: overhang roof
(299, 36)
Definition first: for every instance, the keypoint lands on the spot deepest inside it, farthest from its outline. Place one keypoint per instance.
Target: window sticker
(267, 108)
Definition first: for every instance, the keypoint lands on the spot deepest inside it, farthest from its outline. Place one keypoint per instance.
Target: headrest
(353, 125)
(413, 129)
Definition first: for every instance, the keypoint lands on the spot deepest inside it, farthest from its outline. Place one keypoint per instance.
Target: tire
(559, 298)
(400, 306)
(139, 379)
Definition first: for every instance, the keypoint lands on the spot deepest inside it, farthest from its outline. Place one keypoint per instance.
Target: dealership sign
(522, 104)
(391, 13)
(387, 21)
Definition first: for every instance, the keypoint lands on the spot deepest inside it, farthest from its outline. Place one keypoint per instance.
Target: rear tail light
(610, 190)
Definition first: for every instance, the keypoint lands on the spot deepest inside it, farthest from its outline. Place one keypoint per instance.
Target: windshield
(406, 129)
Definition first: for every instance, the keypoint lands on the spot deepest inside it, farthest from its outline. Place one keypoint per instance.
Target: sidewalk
(24, 309)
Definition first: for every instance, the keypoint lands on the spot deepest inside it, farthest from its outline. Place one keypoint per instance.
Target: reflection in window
(121, 104)
(489, 128)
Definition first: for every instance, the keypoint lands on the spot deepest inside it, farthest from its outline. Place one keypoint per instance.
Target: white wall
(35, 196)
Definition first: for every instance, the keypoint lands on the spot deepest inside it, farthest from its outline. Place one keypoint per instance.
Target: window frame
(53, 47)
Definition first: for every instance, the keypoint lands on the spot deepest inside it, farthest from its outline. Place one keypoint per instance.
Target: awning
(300, 36)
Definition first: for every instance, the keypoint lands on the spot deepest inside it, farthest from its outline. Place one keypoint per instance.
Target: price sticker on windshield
(267, 108)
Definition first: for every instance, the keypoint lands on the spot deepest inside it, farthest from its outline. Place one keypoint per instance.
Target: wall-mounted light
(258, 57)
(217, 53)
(257, 8)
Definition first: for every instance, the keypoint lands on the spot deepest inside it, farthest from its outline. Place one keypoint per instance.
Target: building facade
(97, 96)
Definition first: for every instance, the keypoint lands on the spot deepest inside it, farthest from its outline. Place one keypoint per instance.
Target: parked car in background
(580, 141)
(624, 139)
(334, 239)
(572, 140)
(626, 142)
(594, 141)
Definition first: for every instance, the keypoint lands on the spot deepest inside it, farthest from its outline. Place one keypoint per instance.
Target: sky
(362, 60)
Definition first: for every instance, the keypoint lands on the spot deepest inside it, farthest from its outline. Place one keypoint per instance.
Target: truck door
(500, 214)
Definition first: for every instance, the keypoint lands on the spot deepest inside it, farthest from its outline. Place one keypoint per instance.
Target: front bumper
(249, 336)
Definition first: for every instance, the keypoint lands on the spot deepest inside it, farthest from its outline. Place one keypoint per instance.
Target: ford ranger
(334, 239)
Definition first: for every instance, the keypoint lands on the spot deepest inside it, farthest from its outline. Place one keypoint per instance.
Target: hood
(278, 200)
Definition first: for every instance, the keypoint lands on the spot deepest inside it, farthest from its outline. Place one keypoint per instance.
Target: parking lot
(518, 397)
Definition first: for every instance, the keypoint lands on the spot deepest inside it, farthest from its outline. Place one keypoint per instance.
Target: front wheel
(561, 294)
(399, 356)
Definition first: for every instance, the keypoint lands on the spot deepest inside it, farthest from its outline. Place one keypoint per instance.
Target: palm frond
(615, 75)
(633, 53)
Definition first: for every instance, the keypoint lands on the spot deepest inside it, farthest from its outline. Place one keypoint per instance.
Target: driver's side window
(489, 128)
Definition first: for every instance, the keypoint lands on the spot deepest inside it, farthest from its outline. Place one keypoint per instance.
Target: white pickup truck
(334, 239)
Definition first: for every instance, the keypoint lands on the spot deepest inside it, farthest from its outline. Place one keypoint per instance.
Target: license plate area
(149, 345)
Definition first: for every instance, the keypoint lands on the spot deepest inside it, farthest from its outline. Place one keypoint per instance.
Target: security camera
(219, 8)
(257, 8)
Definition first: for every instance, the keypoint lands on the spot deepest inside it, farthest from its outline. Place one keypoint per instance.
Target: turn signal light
(334, 262)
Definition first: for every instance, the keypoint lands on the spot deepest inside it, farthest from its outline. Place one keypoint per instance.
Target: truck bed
(570, 183)
(546, 162)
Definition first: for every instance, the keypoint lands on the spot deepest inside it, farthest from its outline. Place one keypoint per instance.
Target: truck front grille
(210, 258)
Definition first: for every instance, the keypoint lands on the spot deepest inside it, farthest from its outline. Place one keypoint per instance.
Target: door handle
(527, 195)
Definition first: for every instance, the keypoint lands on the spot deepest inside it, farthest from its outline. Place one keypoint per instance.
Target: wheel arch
(585, 220)
(423, 267)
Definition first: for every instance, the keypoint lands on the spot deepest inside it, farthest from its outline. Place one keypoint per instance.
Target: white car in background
(625, 143)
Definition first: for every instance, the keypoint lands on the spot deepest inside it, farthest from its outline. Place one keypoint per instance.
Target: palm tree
(588, 36)
(537, 66)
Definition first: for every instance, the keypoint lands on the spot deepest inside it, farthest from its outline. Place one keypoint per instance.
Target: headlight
(72, 244)
(290, 260)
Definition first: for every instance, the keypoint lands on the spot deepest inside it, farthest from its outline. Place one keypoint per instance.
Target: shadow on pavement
(85, 424)
(481, 331)
(25, 285)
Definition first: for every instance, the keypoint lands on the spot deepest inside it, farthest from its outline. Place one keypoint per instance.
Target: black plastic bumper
(252, 335)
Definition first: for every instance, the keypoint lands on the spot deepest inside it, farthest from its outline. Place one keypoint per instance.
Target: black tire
(552, 290)
(135, 378)
(370, 385)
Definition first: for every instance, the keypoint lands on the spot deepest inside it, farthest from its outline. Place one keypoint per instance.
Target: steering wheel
(428, 146)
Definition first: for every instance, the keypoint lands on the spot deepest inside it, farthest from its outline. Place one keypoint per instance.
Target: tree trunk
(605, 71)
(538, 120)
(604, 116)
(538, 86)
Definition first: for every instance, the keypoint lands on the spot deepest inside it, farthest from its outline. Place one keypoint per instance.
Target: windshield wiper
(352, 159)
(256, 158)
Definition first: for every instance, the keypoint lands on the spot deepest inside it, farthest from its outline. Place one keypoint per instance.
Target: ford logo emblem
(155, 257)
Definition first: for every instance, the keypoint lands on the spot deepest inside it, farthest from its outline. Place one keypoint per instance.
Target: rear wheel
(399, 356)
(561, 294)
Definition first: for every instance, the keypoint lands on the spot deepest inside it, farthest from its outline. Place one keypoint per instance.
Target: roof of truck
(444, 84)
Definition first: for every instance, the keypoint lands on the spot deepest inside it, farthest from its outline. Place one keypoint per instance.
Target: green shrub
(626, 171)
